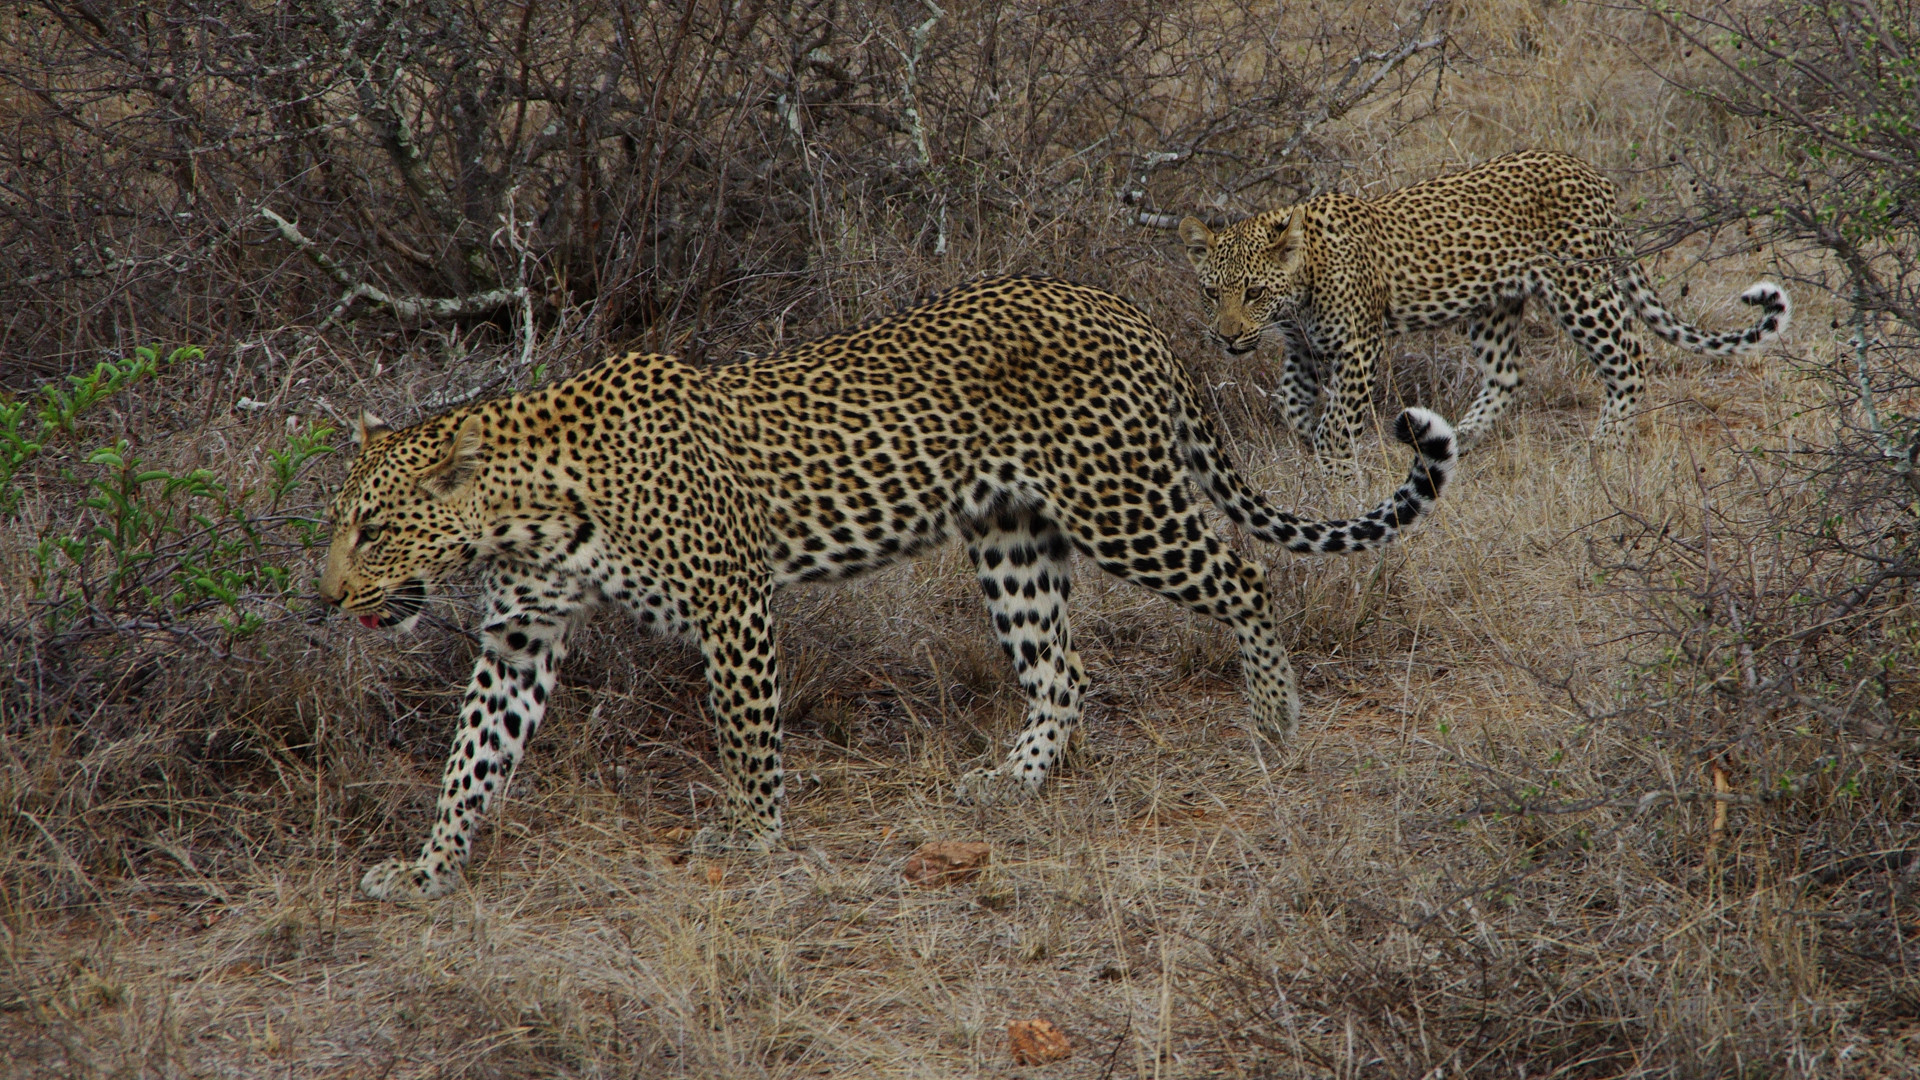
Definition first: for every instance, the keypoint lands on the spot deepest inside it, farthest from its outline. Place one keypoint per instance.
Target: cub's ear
(1289, 237)
(1198, 238)
(445, 478)
(372, 429)
(1286, 245)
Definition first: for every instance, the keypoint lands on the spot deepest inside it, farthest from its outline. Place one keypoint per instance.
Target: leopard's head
(1250, 273)
(407, 516)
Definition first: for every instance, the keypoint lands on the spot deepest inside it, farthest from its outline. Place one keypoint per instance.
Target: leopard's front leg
(522, 644)
(743, 688)
(1349, 400)
(1299, 382)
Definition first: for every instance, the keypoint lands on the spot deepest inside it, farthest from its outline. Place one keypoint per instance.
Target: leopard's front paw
(1612, 436)
(1276, 727)
(987, 787)
(397, 879)
(714, 841)
(1340, 468)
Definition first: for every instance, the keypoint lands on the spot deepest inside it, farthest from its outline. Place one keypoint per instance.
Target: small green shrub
(153, 549)
(26, 430)
(149, 551)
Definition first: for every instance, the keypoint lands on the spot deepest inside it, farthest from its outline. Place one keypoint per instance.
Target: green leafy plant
(156, 551)
(26, 429)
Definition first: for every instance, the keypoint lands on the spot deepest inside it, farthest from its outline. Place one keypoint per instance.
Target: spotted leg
(1186, 562)
(1299, 383)
(522, 644)
(743, 690)
(1492, 337)
(1026, 572)
(1592, 309)
(1348, 400)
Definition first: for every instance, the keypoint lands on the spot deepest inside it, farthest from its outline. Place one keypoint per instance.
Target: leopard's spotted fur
(1336, 274)
(1031, 417)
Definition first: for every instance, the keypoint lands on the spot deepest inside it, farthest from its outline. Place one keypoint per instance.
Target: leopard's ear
(1198, 238)
(1289, 234)
(1285, 245)
(371, 430)
(447, 477)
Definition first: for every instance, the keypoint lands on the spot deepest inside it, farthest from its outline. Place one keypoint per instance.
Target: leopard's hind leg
(736, 630)
(1492, 337)
(1025, 567)
(1174, 552)
(1589, 305)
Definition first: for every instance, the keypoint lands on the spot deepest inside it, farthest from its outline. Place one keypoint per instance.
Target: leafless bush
(702, 174)
(1777, 610)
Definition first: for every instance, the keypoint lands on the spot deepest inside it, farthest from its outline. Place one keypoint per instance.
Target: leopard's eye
(1210, 293)
(370, 532)
(1255, 292)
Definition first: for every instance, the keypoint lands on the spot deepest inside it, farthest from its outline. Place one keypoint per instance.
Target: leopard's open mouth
(402, 604)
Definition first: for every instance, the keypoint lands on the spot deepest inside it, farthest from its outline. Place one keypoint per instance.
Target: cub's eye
(370, 532)
(1255, 292)
(1210, 293)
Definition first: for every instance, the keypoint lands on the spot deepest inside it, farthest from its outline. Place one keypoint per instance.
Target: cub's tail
(1430, 436)
(1776, 311)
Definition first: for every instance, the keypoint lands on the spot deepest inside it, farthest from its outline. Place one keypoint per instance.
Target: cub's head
(1250, 273)
(405, 518)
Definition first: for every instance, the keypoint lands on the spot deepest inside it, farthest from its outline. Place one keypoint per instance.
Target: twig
(1718, 829)
(511, 226)
(1903, 460)
(1333, 105)
(415, 308)
(113, 262)
(919, 35)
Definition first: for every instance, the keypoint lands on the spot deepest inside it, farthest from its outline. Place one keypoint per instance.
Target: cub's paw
(714, 841)
(988, 787)
(1338, 469)
(1612, 437)
(396, 879)
(1273, 730)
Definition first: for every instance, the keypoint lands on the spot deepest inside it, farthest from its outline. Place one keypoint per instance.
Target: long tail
(1430, 436)
(1775, 305)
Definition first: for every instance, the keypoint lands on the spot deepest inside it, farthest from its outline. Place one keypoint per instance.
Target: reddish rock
(1036, 1042)
(946, 862)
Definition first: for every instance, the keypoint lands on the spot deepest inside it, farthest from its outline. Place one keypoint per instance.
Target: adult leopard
(1335, 274)
(1031, 417)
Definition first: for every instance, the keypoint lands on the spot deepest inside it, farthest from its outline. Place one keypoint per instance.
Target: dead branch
(1338, 101)
(407, 308)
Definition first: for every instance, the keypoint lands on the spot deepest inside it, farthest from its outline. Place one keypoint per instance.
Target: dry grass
(178, 878)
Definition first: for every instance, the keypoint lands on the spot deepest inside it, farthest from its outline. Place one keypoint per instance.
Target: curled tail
(1775, 306)
(1430, 436)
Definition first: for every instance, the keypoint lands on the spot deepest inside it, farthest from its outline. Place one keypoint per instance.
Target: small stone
(1036, 1042)
(946, 862)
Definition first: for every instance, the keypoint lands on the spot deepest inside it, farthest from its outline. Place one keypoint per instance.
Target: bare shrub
(704, 174)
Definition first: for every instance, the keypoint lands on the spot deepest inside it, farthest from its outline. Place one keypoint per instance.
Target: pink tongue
(371, 622)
